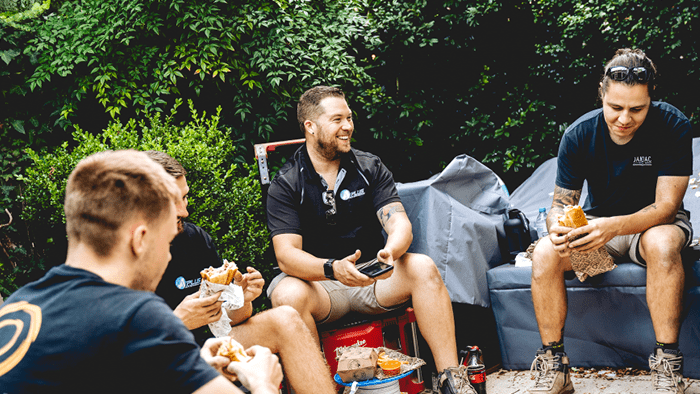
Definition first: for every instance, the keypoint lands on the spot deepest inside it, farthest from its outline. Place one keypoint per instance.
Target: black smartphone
(374, 268)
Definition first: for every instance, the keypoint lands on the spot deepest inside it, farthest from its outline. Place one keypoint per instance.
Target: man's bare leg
(416, 277)
(310, 299)
(283, 331)
(549, 291)
(660, 247)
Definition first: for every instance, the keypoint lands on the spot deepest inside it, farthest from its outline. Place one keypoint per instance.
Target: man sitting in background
(280, 329)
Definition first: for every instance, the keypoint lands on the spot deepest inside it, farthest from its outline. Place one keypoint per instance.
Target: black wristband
(328, 269)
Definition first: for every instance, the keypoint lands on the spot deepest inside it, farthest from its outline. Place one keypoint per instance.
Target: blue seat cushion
(608, 322)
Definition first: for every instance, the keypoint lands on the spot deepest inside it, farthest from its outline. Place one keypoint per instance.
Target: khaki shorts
(345, 299)
(628, 245)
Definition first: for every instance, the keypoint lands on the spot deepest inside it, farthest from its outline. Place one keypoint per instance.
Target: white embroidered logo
(346, 194)
(182, 284)
(642, 161)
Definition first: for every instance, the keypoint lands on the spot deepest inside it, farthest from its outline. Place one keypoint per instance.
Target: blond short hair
(107, 189)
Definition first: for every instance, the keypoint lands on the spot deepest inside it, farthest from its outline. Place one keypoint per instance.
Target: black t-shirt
(295, 205)
(192, 251)
(622, 178)
(71, 331)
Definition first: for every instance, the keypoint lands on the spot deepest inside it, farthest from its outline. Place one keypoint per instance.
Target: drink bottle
(476, 370)
(517, 231)
(541, 223)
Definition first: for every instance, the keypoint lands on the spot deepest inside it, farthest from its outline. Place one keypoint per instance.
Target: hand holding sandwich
(196, 312)
(257, 368)
(580, 234)
(593, 236)
(223, 280)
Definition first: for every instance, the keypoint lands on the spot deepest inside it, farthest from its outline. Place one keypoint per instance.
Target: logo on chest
(182, 284)
(348, 195)
(642, 161)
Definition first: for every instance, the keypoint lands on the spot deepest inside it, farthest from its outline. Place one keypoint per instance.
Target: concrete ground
(586, 381)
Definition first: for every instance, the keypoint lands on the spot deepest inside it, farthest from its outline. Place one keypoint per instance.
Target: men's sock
(664, 346)
(555, 347)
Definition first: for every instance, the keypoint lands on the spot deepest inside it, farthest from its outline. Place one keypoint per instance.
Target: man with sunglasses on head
(636, 155)
(326, 209)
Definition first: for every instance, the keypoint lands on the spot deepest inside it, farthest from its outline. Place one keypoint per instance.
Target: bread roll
(223, 275)
(233, 350)
(573, 217)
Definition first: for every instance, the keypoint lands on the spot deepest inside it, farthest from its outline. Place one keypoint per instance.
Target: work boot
(453, 380)
(552, 373)
(667, 371)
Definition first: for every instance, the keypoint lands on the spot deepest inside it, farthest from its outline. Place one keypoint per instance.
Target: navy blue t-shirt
(295, 205)
(192, 251)
(622, 178)
(71, 331)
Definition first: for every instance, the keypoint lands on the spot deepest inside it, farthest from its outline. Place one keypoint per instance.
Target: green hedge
(224, 197)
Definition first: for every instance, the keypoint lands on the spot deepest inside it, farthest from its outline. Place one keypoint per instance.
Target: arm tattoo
(387, 211)
(562, 197)
(651, 207)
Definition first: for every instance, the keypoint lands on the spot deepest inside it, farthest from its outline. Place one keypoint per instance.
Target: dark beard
(327, 152)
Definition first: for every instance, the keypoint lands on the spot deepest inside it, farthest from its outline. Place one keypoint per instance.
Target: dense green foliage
(498, 80)
(224, 198)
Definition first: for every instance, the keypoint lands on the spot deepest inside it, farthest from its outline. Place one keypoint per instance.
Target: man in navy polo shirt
(636, 156)
(326, 209)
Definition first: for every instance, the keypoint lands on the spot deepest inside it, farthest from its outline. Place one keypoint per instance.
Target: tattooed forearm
(386, 212)
(562, 197)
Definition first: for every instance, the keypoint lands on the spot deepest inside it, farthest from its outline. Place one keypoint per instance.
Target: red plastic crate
(398, 332)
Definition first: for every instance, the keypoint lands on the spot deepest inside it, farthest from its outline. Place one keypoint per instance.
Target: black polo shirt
(295, 205)
(192, 251)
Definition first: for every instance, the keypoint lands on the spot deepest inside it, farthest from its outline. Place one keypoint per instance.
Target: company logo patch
(347, 195)
(20, 323)
(642, 161)
(183, 284)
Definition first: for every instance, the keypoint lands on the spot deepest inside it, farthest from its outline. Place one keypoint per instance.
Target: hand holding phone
(374, 268)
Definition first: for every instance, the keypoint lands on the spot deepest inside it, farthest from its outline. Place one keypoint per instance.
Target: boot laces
(545, 370)
(460, 380)
(664, 375)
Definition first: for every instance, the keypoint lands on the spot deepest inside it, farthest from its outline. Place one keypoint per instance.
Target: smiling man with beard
(327, 208)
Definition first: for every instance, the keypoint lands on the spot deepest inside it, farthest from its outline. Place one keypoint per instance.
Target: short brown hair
(107, 189)
(629, 57)
(308, 106)
(170, 164)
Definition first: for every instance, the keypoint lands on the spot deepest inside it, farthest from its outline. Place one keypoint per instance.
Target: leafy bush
(427, 80)
(224, 197)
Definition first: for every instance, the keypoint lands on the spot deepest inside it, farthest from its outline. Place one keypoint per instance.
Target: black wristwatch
(328, 269)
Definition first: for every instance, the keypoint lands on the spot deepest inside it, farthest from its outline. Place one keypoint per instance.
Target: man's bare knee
(283, 318)
(661, 248)
(291, 292)
(545, 260)
(422, 269)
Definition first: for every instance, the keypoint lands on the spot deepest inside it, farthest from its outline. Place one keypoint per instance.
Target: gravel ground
(586, 381)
